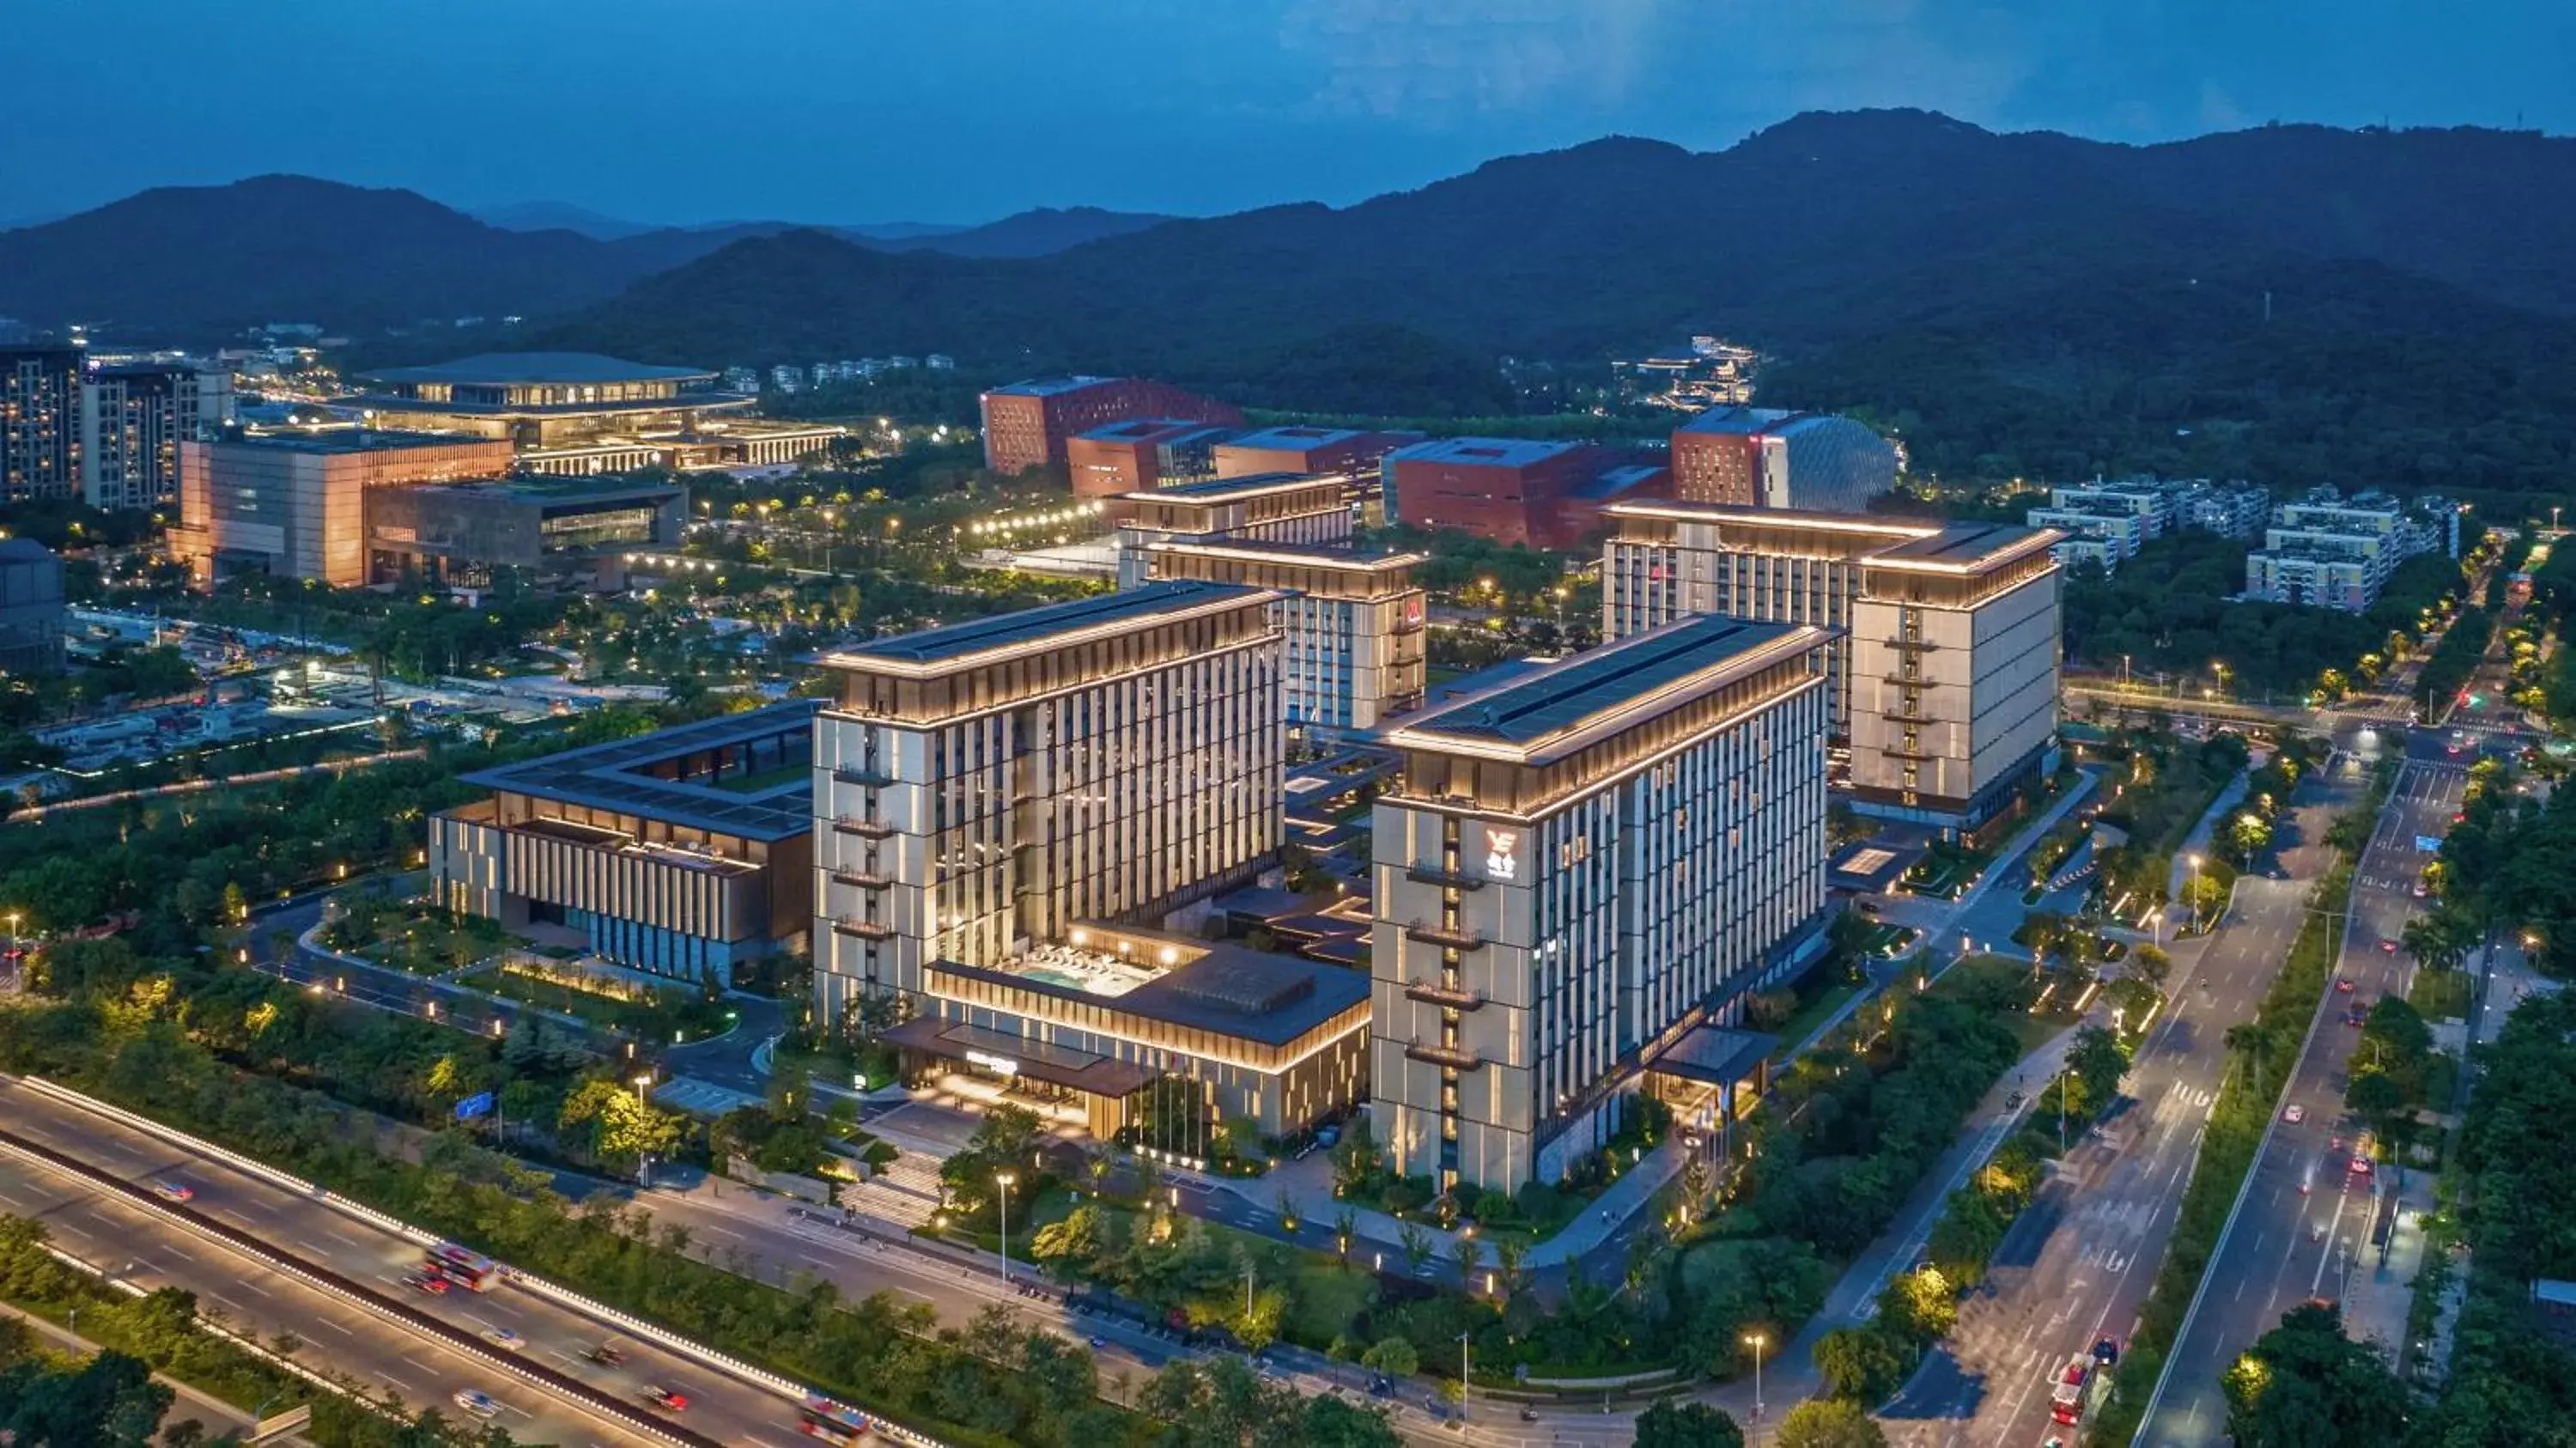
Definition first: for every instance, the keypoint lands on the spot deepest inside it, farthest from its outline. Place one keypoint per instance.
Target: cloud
(1437, 63)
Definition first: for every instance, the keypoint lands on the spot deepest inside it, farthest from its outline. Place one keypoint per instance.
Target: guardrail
(625, 1322)
(323, 1279)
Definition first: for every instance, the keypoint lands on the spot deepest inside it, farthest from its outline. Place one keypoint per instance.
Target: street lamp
(1004, 1180)
(1462, 1381)
(2195, 890)
(1757, 1341)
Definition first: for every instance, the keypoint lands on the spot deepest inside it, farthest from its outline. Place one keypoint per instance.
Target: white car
(2295, 1114)
(504, 1337)
(477, 1402)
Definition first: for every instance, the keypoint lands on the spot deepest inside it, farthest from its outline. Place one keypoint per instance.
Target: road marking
(335, 1327)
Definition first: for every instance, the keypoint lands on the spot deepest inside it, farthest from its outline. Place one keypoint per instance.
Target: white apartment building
(1581, 872)
(2331, 552)
(1665, 561)
(2103, 538)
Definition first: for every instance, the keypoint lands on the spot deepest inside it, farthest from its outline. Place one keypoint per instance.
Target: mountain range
(2366, 306)
(293, 248)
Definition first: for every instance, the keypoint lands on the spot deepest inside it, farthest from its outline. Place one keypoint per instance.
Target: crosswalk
(701, 1098)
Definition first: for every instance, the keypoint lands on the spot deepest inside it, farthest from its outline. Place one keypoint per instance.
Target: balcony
(863, 879)
(871, 827)
(863, 929)
(1453, 1057)
(1911, 645)
(1433, 994)
(1428, 874)
(867, 774)
(1444, 936)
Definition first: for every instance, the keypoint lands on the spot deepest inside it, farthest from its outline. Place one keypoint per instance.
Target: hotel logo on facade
(1502, 855)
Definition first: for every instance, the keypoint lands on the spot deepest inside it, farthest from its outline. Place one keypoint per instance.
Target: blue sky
(963, 110)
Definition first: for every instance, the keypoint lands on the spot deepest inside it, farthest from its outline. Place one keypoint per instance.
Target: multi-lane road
(2076, 1266)
(150, 1249)
(2307, 1218)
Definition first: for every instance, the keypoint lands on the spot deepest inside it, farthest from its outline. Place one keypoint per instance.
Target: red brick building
(1504, 488)
(1028, 424)
(1140, 456)
(1300, 449)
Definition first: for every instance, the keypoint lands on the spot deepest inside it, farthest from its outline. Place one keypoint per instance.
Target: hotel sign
(1502, 855)
(1001, 1065)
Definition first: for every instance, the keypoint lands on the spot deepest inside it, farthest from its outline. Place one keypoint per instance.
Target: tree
(2151, 963)
(1673, 1423)
(1072, 1246)
(1417, 1245)
(1828, 1423)
(2376, 1096)
(1469, 1254)
(619, 1125)
(2305, 1383)
(1862, 1363)
(1393, 1356)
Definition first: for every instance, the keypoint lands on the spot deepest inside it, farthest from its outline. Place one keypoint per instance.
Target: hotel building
(1004, 810)
(1028, 424)
(1578, 877)
(1351, 624)
(1766, 457)
(295, 504)
(680, 854)
(1944, 680)
(1265, 508)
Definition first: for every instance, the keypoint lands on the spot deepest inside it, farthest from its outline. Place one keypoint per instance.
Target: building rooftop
(1296, 553)
(1297, 437)
(24, 550)
(1049, 386)
(1740, 421)
(536, 367)
(613, 777)
(339, 440)
(1617, 481)
(1967, 546)
(964, 640)
(1214, 490)
(1505, 452)
(1225, 988)
(1150, 429)
(1589, 687)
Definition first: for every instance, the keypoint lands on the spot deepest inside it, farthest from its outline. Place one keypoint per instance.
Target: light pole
(1003, 1180)
(2195, 890)
(1462, 1381)
(643, 1084)
(1757, 1341)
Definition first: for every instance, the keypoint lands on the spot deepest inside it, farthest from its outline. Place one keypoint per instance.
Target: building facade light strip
(860, 662)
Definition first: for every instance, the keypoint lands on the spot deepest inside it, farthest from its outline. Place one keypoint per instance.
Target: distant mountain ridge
(294, 248)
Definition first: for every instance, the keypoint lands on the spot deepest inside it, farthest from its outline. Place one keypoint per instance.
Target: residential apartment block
(134, 416)
(681, 854)
(1944, 677)
(2106, 523)
(2329, 551)
(40, 393)
(1770, 458)
(1029, 424)
(1579, 874)
(1351, 625)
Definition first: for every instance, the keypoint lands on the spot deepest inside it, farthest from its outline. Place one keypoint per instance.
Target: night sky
(859, 111)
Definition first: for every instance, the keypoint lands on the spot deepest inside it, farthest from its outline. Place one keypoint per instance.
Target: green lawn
(1812, 1014)
(669, 1013)
(2440, 995)
(767, 779)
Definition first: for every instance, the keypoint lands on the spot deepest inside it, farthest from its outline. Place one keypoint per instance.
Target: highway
(379, 1351)
(2078, 1263)
(2306, 1219)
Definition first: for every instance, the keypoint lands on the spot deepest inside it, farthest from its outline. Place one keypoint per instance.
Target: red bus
(462, 1264)
(832, 1422)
